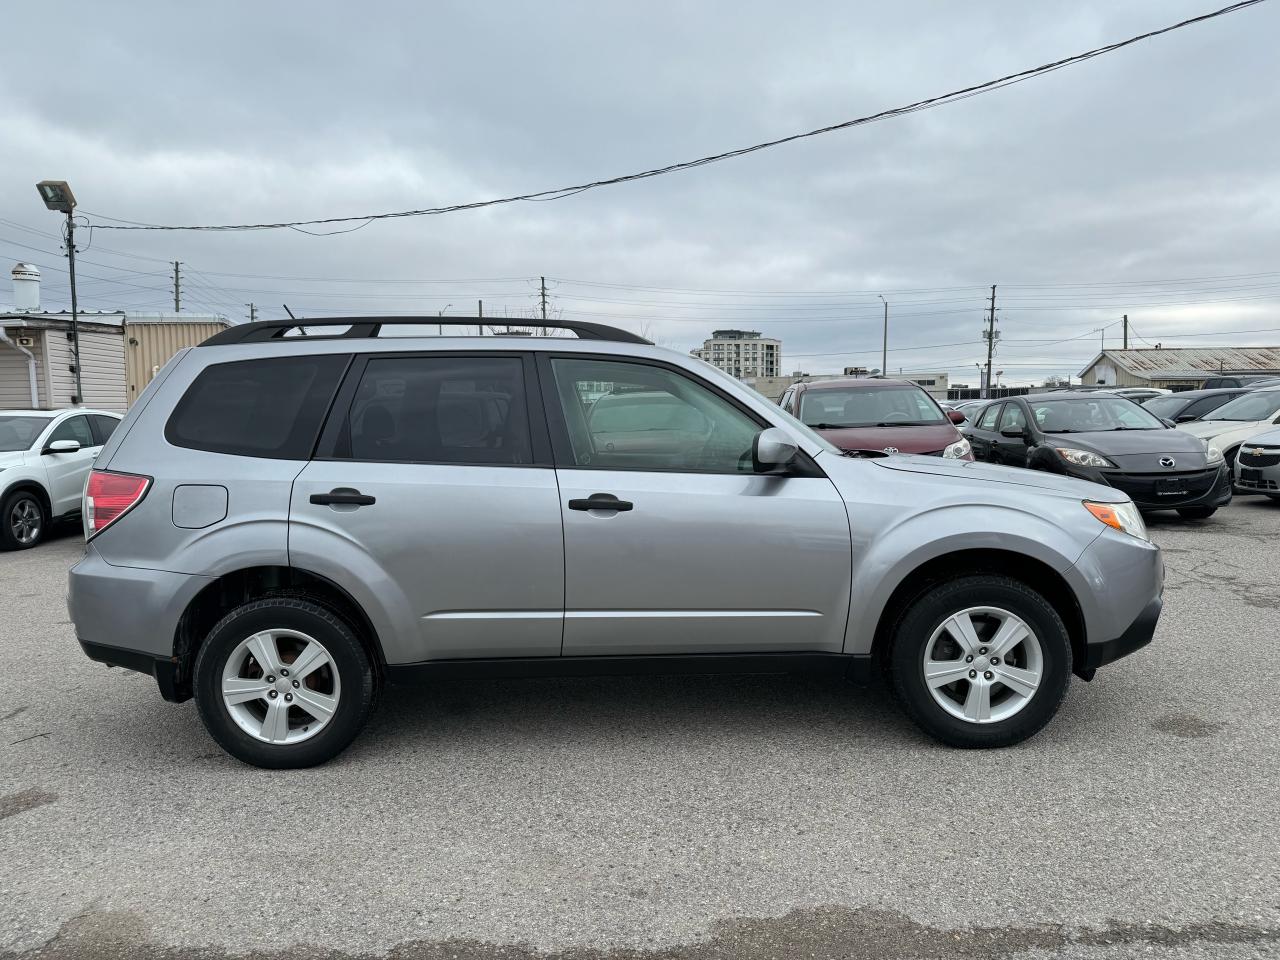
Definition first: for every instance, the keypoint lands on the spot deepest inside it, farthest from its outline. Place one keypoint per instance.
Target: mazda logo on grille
(890, 449)
(1168, 462)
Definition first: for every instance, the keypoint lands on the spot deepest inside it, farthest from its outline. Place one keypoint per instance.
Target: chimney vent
(26, 287)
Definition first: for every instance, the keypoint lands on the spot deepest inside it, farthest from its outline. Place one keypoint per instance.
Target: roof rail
(361, 327)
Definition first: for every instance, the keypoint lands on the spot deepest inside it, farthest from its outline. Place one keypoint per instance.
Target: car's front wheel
(283, 683)
(23, 522)
(981, 661)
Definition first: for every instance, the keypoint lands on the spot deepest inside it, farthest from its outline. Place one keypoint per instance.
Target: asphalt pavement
(661, 819)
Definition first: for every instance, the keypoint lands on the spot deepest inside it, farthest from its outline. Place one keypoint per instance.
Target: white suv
(45, 456)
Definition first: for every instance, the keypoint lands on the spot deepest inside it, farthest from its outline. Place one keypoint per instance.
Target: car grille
(1267, 458)
(1254, 480)
(1144, 487)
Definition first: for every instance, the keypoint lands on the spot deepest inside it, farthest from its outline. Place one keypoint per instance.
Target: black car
(1249, 380)
(1105, 439)
(1190, 405)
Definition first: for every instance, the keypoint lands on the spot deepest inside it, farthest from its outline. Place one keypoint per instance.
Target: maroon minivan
(895, 416)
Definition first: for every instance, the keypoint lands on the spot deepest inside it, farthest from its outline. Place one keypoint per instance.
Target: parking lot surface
(640, 819)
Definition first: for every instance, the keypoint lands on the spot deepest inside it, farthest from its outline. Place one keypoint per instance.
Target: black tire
(355, 674)
(29, 505)
(1196, 513)
(928, 611)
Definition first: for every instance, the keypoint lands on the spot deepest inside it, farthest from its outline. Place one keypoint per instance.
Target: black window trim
(335, 430)
(562, 449)
(97, 430)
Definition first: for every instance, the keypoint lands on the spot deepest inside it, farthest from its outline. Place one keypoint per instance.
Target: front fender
(883, 563)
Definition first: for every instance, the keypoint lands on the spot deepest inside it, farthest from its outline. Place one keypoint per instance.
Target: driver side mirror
(955, 416)
(772, 448)
(1168, 423)
(1185, 418)
(62, 446)
(1013, 433)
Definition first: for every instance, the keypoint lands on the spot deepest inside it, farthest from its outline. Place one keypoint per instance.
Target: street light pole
(57, 196)
(884, 350)
(440, 326)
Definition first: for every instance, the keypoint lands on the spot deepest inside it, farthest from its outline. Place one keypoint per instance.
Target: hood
(927, 439)
(1269, 439)
(1208, 429)
(12, 458)
(965, 470)
(1138, 450)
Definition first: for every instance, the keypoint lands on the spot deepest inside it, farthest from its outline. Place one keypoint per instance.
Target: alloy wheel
(281, 686)
(983, 664)
(25, 521)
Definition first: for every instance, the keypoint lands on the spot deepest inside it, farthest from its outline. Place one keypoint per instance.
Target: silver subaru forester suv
(292, 516)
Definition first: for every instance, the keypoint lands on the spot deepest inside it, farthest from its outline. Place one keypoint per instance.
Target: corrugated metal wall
(101, 369)
(148, 347)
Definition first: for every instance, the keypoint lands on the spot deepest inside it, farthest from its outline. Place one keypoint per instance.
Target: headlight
(1122, 516)
(1214, 454)
(1082, 458)
(958, 450)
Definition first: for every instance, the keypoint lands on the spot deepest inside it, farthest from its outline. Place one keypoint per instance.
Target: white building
(120, 350)
(742, 353)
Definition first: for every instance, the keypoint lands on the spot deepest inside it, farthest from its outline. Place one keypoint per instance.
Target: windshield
(1251, 406)
(1165, 406)
(19, 433)
(1092, 415)
(869, 407)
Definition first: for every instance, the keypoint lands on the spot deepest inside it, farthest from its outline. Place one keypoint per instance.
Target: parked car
(282, 524)
(893, 416)
(1106, 439)
(1237, 420)
(1191, 405)
(1138, 394)
(45, 457)
(1258, 464)
(1241, 380)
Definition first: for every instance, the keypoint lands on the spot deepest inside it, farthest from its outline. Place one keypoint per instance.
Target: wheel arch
(1035, 573)
(247, 584)
(34, 486)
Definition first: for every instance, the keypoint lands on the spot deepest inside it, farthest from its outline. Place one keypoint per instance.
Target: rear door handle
(343, 495)
(601, 501)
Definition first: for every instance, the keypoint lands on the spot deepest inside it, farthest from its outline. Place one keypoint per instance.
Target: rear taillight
(109, 496)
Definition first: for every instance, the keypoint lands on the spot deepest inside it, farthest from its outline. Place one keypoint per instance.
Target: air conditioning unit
(25, 341)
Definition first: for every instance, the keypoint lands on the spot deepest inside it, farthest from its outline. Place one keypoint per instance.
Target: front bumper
(1137, 636)
(1251, 479)
(1118, 583)
(1203, 488)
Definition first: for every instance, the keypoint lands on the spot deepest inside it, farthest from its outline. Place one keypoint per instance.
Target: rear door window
(988, 419)
(103, 427)
(271, 407)
(434, 409)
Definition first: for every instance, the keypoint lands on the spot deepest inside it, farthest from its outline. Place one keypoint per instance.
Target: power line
(562, 192)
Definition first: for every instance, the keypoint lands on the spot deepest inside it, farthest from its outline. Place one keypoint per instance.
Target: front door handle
(601, 501)
(343, 495)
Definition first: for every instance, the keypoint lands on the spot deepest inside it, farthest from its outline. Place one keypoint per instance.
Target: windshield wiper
(824, 426)
(1063, 430)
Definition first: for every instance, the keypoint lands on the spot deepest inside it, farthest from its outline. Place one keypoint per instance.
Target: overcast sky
(1128, 184)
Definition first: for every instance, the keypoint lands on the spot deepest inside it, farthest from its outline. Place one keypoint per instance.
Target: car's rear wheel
(23, 522)
(981, 661)
(282, 683)
(1197, 513)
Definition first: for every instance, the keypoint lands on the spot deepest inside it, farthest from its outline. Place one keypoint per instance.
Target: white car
(45, 456)
(1237, 421)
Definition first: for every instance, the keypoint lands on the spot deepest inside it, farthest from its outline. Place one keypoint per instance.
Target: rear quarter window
(272, 407)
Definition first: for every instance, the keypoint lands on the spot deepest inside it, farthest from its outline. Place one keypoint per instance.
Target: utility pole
(75, 309)
(253, 312)
(1126, 331)
(177, 288)
(544, 305)
(884, 349)
(990, 334)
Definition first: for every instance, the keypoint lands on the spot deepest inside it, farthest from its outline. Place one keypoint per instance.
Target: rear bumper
(1137, 636)
(163, 669)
